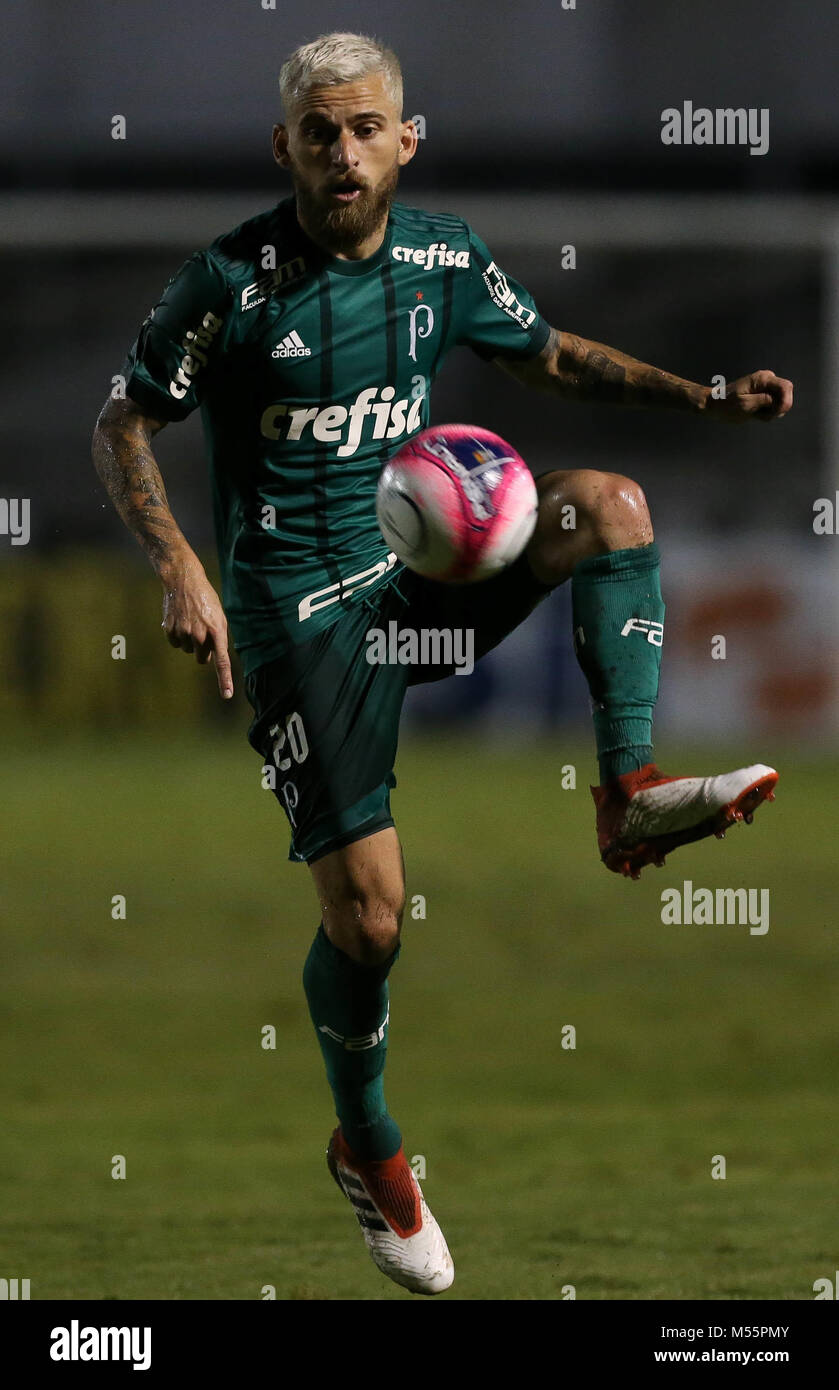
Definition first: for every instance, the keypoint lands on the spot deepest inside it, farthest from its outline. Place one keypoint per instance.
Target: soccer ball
(456, 504)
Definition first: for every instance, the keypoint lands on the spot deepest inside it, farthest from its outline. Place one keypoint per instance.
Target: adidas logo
(292, 345)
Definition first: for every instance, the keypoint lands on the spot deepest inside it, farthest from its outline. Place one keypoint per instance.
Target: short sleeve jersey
(311, 372)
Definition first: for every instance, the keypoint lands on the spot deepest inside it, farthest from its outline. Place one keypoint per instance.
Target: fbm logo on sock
(654, 631)
(75, 1343)
(357, 1044)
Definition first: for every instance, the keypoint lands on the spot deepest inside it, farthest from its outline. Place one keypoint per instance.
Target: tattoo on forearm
(129, 472)
(592, 371)
(595, 375)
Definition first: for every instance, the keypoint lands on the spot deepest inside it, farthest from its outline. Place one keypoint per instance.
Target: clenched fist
(759, 396)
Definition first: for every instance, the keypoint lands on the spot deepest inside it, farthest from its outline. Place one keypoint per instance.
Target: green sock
(618, 629)
(348, 1003)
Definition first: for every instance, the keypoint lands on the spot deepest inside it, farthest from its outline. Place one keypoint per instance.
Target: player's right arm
(580, 369)
(193, 617)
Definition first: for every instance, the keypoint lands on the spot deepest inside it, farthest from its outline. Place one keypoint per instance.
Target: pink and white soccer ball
(457, 504)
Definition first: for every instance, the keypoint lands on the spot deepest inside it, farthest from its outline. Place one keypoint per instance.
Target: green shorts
(326, 712)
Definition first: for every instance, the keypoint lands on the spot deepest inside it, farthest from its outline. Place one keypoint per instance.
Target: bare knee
(606, 504)
(583, 512)
(364, 922)
(619, 511)
(362, 897)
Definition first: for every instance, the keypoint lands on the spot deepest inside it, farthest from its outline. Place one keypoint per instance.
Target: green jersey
(310, 373)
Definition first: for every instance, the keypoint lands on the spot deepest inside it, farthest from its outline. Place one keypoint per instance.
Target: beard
(343, 226)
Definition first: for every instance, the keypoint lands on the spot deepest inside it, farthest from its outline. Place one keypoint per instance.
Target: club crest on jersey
(391, 419)
(262, 289)
(496, 282)
(438, 253)
(421, 330)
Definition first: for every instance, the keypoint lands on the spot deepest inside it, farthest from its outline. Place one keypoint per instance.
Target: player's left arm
(578, 369)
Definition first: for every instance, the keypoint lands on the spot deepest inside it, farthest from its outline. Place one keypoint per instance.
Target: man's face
(343, 146)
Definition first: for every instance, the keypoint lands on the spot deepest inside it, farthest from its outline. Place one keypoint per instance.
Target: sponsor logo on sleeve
(496, 282)
(195, 345)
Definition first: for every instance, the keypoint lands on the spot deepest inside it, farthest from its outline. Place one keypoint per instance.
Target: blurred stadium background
(543, 130)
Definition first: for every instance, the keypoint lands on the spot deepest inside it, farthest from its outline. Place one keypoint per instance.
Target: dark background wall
(512, 94)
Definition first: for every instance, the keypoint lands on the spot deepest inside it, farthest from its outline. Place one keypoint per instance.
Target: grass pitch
(547, 1166)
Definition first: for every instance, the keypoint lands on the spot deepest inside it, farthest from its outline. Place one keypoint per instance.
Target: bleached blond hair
(336, 58)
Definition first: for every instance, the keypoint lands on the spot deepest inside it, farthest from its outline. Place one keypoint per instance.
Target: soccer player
(309, 336)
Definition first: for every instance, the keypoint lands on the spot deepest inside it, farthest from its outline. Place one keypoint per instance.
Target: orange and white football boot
(401, 1234)
(643, 815)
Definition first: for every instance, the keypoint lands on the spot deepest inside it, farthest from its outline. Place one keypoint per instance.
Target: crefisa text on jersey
(429, 256)
(391, 419)
(194, 357)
